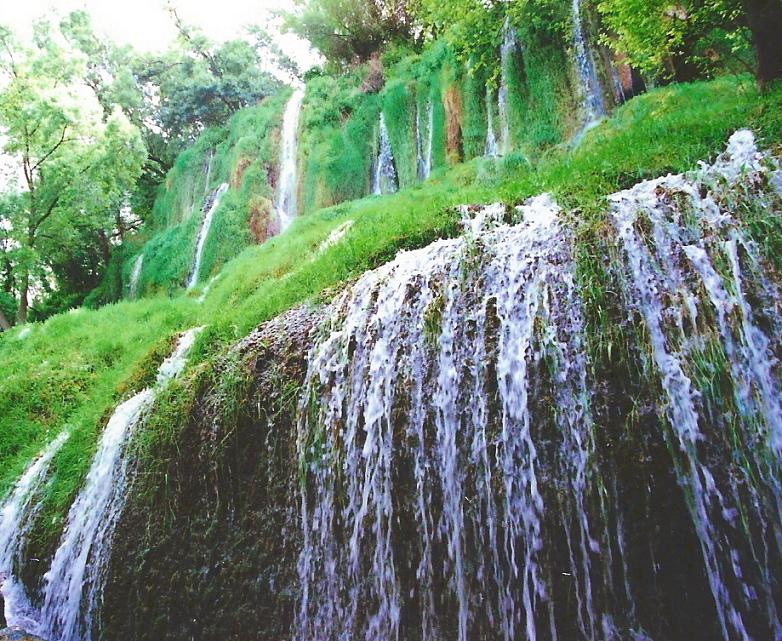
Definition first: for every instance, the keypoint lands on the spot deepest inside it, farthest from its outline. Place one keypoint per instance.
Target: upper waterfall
(491, 148)
(210, 206)
(135, 276)
(593, 102)
(384, 180)
(424, 151)
(287, 187)
(507, 51)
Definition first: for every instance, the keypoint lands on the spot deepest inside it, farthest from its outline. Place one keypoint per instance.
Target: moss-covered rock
(208, 544)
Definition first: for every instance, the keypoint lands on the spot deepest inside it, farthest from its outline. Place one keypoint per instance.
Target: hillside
(478, 352)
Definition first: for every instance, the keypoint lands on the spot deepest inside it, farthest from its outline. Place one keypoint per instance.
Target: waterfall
(420, 162)
(208, 174)
(74, 583)
(593, 104)
(287, 181)
(491, 148)
(403, 458)
(384, 179)
(210, 206)
(135, 275)
(424, 154)
(507, 50)
(429, 138)
(693, 272)
(453, 484)
(15, 519)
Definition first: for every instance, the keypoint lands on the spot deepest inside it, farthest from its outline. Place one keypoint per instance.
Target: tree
(765, 22)
(171, 97)
(684, 40)
(349, 31)
(199, 84)
(78, 165)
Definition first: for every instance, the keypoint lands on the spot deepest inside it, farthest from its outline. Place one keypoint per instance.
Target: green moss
(399, 110)
(474, 122)
(71, 371)
(242, 154)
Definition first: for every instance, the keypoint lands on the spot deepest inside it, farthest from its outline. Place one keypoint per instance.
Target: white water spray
(74, 583)
(135, 276)
(286, 206)
(16, 517)
(210, 207)
(686, 258)
(593, 102)
(384, 179)
(507, 50)
(429, 335)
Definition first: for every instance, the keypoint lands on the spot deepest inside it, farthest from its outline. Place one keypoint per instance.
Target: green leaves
(77, 166)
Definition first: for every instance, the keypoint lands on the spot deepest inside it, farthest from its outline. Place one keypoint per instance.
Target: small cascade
(208, 173)
(135, 276)
(15, 519)
(507, 50)
(429, 138)
(286, 205)
(692, 273)
(74, 583)
(210, 206)
(593, 104)
(420, 162)
(424, 153)
(423, 499)
(384, 180)
(491, 148)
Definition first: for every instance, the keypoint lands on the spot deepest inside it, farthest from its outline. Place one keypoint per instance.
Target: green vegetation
(242, 154)
(73, 369)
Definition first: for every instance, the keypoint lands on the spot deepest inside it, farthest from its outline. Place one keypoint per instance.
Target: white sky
(146, 26)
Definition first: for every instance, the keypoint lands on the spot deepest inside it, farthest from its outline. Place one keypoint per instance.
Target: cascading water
(384, 179)
(135, 276)
(424, 153)
(491, 149)
(208, 173)
(429, 138)
(507, 51)
(454, 484)
(15, 519)
(286, 206)
(74, 583)
(593, 103)
(209, 209)
(422, 484)
(691, 273)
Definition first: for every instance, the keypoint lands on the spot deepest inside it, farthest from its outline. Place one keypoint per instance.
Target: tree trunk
(21, 314)
(765, 22)
(4, 324)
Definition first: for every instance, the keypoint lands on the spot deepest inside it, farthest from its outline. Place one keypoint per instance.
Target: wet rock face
(450, 451)
(13, 634)
(212, 555)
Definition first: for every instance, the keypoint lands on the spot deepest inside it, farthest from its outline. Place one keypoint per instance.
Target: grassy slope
(243, 153)
(73, 369)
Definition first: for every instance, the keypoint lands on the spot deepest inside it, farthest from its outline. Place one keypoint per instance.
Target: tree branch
(49, 210)
(53, 149)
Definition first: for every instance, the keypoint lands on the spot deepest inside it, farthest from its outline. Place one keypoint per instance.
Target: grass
(70, 371)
